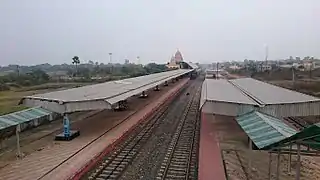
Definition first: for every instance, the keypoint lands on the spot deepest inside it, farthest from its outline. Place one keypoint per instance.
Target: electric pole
(217, 73)
(267, 53)
(293, 75)
(110, 58)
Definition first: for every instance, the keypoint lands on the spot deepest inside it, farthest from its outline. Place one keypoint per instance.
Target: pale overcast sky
(53, 31)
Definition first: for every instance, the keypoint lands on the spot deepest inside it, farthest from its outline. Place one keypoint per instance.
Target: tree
(39, 75)
(76, 61)
(306, 58)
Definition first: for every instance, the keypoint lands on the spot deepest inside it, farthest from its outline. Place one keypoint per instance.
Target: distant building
(304, 66)
(173, 64)
(175, 60)
(309, 65)
(234, 67)
(215, 73)
(264, 67)
(126, 61)
(178, 57)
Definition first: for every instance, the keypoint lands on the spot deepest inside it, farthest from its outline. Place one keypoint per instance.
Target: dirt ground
(236, 156)
(42, 137)
(311, 87)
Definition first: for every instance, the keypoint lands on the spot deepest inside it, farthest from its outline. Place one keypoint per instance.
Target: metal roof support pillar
(250, 159)
(269, 169)
(278, 165)
(298, 163)
(289, 159)
(18, 129)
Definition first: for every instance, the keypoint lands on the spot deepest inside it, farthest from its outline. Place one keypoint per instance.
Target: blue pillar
(66, 126)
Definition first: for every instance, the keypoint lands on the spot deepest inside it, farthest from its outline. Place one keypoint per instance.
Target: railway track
(180, 159)
(113, 165)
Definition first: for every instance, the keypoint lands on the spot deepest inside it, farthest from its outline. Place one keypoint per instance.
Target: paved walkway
(210, 157)
(63, 159)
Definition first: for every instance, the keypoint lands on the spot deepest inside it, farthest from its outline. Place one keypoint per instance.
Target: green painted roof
(20, 117)
(264, 130)
(308, 136)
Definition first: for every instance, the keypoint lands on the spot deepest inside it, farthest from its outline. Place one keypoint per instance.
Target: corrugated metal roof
(222, 90)
(20, 117)
(192, 65)
(265, 97)
(138, 90)
(99, 96)
(107, 90)
(309, 135)
(270, 94)
(264, 130)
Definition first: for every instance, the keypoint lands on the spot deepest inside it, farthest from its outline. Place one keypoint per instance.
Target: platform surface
(63, 159)
(210, 157)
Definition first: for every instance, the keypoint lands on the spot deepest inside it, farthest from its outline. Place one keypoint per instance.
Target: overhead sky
(53, 31)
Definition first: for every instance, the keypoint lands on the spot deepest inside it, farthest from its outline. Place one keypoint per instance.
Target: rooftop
(222, 90)
(101, 95)
(264, 130)
(10, 120)
(270, 94)
(237, 96)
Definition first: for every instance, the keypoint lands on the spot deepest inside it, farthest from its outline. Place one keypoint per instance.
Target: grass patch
(9, 99)
(10, 109)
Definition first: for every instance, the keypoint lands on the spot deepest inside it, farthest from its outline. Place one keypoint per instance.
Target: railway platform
(210, 157)
(65, 160)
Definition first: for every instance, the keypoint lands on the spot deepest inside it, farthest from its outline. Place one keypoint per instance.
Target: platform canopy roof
(265, 93)
(309, 136)
(222, 90)
(193, 65)
(99, 96)
(264, 130)
(237, 96)
(269, 133)
(24, 116)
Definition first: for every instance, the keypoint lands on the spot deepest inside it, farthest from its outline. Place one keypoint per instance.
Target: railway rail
(180, 159)
(115, 164)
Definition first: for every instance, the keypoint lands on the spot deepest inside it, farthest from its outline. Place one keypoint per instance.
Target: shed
(21, 120)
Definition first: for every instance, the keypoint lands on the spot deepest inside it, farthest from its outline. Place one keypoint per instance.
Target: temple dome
(178, 57)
